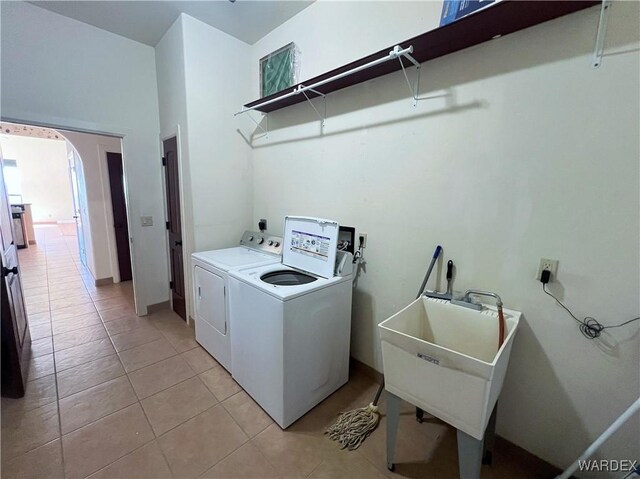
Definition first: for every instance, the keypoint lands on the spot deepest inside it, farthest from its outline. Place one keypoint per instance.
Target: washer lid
(310, 244)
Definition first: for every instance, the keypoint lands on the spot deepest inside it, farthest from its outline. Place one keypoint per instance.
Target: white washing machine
(292, 322)
(210, 287)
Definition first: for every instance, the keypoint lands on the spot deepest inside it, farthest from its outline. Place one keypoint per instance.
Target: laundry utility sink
(444, 358)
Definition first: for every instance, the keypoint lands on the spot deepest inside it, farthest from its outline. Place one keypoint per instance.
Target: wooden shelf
(506, 16)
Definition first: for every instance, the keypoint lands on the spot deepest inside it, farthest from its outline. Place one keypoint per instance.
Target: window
(12, 180)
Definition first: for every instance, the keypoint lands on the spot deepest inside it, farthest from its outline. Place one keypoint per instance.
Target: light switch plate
(146, 220)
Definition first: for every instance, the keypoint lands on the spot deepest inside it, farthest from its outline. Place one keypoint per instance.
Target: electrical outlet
(362, 240)
(550, 264)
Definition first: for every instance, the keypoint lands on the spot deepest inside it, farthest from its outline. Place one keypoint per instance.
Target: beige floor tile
(144, 463)
(57, 304)
(78, 337)
(90, 448)
(108, 292)
(251, 418)
(220, 383)
(36, 298)
(118, 312)
(39, 331)
(70, 324)
(42, 462)
(198, 444)
(128, 324)
(68, 293)
(30, 290)
(171, 407)
(161, 375)
(38, 308)
(133, 338)
(181, 337)
(72, 311)
(247, 462)
(199, 360)
(347, 464)
(292, 454)
(39, 392)
(40, 347)
(147, 354)
(23, 431)
(40, 318)
(112, 303)
(94, 403)
(63, 280)
(71, 357)
(55, 288)
(41, 366)
(89, 374)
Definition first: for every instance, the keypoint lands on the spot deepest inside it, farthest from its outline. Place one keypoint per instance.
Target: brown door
(170, 162)
(116, 184)
(16, 341)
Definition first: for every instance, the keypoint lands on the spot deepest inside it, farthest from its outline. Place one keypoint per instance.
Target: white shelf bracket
(302, 89)
(266, 117)
(598, 52)
(415, 88)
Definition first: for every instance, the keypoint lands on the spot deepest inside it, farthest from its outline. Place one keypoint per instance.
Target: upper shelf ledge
(502, 18)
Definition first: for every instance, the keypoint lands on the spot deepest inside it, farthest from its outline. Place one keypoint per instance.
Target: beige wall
(44, 174)
(531, 153)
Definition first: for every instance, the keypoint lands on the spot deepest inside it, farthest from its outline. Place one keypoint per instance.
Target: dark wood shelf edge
(503, 18)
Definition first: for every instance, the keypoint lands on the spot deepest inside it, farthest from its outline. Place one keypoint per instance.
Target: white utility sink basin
(444, 359)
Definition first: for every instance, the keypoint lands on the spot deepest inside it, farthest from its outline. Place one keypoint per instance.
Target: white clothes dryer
(210, 271)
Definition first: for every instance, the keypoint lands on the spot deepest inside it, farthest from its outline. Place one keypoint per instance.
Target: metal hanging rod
(397, 52)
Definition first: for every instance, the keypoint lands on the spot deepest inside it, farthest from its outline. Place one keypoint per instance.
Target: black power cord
(590, 327)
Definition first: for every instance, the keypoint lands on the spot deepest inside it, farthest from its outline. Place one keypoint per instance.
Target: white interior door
(76, 176)
(211, 305)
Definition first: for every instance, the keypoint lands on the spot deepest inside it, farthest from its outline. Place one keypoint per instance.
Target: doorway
(119, 206)
(174, 226)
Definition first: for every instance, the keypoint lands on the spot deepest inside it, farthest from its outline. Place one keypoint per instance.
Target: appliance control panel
(262, 242)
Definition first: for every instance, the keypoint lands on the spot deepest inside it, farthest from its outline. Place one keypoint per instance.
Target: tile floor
(112, 395)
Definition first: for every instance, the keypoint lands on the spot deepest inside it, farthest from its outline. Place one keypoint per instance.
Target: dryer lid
(310, 244)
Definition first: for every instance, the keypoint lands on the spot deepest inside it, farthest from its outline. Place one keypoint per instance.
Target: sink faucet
(469, 292)
(468, 302)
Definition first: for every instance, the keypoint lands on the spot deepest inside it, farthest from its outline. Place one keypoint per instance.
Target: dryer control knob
(250, 238)
(270, 242)
(277, 244)
(260, 240)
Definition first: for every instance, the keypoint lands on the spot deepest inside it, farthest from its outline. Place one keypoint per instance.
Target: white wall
(60, 72)
(202, 80)
(532, 153)
(93, 153)
(44, 172)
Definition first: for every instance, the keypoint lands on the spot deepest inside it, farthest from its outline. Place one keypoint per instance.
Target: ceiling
(147, 21)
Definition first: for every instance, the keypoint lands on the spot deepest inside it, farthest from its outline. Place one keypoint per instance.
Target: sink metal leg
(393, 418)
(469, 455)
(490, 437)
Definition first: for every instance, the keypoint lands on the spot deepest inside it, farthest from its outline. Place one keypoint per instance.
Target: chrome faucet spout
(469, 292)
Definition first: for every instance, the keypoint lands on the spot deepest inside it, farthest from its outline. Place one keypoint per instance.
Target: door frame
(80, 126)
(104, 173)
(185, 222)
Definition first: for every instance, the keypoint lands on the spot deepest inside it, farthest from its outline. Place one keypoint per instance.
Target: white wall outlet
(550, 264)
(146, 220)
(362, 236)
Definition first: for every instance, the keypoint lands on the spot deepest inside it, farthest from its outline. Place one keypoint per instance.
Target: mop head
(353, 427)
